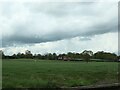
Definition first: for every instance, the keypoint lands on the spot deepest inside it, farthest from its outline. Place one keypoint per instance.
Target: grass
(45, 73)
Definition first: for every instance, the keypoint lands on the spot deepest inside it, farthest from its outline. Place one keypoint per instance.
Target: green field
(45, 73)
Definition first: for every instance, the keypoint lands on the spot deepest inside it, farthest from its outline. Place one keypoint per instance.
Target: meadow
(28, 73)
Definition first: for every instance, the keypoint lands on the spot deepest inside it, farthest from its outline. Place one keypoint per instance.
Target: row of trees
(86, 55)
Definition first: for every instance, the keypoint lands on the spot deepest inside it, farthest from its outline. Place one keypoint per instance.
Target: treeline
(85, 55)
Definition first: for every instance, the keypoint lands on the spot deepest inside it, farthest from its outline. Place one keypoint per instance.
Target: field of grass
(45, 73)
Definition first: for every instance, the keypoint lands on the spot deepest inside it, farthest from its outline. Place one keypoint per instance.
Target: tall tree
(54, 56)
(86, 55)
(28, 54)
(105, 55)
(2, 56)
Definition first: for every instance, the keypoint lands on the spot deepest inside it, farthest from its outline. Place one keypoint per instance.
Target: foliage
(105, 55)
(1, 54)
(86, 55)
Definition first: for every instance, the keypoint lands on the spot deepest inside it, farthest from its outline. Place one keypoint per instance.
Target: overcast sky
(48, 27)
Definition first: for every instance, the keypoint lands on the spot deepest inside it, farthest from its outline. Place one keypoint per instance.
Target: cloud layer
(58, 27)
(106, 42)
(27, 23)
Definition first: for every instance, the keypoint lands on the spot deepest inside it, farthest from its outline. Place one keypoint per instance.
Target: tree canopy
(86, 55)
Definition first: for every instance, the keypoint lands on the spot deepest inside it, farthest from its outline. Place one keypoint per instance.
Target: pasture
(26, 73)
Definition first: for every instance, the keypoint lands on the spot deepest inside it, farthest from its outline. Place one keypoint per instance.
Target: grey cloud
(57, 35)
(63, 9)
(36, 30)
(103, 28)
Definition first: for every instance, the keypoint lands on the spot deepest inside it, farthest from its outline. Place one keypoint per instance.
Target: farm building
(65, 58)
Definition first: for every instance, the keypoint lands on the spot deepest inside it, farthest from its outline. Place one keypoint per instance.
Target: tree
(2, 56)
(70, 54)
(39, 56)
(54, 56)
(14, 56)
(88, 52)
(105, 56)
(86, 55)
(28, 54)
(19, 55)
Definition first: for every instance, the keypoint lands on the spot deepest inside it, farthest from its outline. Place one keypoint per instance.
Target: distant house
(60, 58)
(65, 58)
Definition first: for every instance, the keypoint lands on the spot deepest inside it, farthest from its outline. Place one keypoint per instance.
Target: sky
(60, 27)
